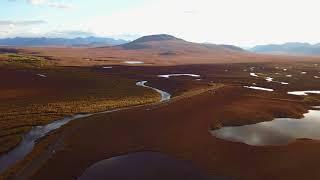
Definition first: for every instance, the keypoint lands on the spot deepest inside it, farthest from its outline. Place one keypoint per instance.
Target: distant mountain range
(295, 48)
(88, 41)
(161, 49)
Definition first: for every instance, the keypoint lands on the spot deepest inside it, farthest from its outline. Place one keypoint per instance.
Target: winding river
(164, 95)
(36, 133)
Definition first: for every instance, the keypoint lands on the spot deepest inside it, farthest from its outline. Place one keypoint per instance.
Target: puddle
(303, 93)
(42, 75)
(269, 79)
(280, 131)
(259, 88)
(133, 62)
(254, 75)
(175, 75)
(107, 67)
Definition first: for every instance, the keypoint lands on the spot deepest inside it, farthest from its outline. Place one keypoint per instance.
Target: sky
(239, 22)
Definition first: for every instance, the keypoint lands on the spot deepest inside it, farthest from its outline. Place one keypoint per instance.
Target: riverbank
(27, 144)
(29, 100)
(44, 150)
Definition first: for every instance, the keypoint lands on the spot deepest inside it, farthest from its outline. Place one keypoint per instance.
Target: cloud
(21, 23)
(60, 5)
(245, 22)
(17, 28)
(191, 12)
(68, 34)
(36, 2)
(53, 4)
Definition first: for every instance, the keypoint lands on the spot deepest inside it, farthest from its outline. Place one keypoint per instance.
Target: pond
(145, 166)
(280, 131)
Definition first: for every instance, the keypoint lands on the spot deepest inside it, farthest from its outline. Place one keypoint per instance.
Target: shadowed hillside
(170, 45)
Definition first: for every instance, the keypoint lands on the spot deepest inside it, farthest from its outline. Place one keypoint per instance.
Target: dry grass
(27, 100)
(19, 60)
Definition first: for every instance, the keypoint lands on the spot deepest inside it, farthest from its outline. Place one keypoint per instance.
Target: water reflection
(29, 141)
(258, 88)
(280, 131)
(176, 75)
(145, 166)
(303, 93)
(164, 95)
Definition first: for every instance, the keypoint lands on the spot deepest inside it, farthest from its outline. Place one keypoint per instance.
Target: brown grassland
(179, 127)
(28, 99)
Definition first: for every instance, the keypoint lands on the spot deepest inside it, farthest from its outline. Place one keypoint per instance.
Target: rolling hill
(170, 45)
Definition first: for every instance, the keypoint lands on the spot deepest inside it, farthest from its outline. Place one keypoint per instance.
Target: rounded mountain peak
(158, 37)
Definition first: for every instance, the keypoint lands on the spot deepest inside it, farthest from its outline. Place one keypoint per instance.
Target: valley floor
(179, 127)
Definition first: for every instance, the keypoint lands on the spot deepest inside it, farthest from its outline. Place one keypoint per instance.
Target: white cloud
(36, 2)
(60, 5)
(22, 23)
(20, 28)
(244, 22)
(53, 4)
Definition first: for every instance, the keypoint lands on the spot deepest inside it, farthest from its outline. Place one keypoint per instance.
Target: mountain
(169, 45)
(88, 41)
(294, 48)
(161, 49)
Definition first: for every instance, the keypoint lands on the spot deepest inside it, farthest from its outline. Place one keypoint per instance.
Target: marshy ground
(34, 93)
(179, 128)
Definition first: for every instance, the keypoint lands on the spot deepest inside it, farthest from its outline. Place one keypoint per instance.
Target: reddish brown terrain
(156, 50)
(179, 128)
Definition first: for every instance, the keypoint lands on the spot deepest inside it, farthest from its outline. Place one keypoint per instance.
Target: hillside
(170, 45)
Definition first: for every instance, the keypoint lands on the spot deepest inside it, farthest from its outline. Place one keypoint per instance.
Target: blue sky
(68, 9)
(244, 23)
(54, 18)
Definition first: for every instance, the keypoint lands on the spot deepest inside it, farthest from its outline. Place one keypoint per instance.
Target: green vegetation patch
(22, 60)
